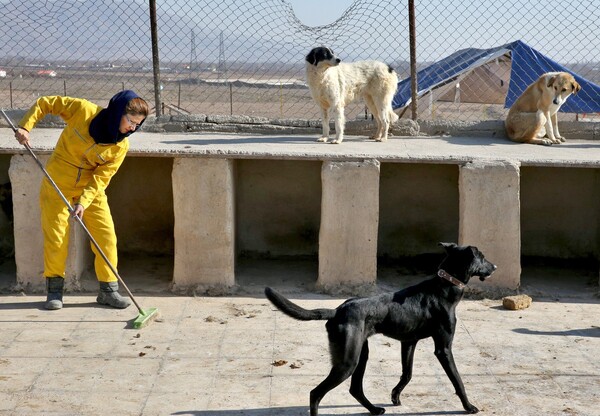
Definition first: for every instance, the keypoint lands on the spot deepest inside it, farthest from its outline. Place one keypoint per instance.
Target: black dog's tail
(295, 311)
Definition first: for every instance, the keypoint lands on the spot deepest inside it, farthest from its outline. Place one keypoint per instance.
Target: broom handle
(79, 220)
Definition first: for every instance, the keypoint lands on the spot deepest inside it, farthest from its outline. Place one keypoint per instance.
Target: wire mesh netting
(247, 57)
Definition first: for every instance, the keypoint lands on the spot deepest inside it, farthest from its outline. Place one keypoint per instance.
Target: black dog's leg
(408, 353)
(443, 352)
(356, 386)
(345, 346)
(336, 376)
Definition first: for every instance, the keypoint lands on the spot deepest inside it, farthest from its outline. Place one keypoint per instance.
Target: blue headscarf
(104, 128)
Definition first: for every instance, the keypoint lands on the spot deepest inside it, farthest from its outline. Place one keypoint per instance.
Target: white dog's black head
(322, 55)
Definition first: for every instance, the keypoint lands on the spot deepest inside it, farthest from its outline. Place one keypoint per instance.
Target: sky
(328, 10)
(575, 41)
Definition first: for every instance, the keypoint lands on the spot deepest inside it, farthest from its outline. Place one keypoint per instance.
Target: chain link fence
(247, 57)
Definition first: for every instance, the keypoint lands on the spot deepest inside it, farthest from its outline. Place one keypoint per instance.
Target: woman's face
(129, 123)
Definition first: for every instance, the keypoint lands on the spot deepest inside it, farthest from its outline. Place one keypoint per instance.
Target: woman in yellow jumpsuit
(89, 152)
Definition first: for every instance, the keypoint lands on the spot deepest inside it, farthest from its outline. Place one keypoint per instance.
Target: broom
(145, 316)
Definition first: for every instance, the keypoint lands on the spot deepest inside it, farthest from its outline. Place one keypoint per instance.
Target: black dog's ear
(448, 246)
(474, 250)
(311, 58)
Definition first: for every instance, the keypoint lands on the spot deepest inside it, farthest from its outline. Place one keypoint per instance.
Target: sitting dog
(424, 310)
(334, 84)
(532, 118)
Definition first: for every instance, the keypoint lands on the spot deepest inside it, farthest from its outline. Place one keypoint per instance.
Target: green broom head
(145, 317)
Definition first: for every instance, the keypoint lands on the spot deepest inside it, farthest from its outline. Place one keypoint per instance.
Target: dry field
(193, 97)
(198, 97)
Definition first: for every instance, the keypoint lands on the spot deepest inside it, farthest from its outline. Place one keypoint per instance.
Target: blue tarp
(527, 66)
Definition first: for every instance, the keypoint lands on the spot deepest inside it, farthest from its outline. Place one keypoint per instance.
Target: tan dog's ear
(576, 87)
(551, 81)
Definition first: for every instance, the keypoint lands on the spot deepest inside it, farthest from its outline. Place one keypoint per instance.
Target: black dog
(421, 311)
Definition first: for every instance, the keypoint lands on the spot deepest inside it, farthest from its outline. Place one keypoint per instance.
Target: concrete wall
(141, 202)
(278, 207)
(560, 212)
(4, 164)
(281, 208)
(418, 207)
(6, 227)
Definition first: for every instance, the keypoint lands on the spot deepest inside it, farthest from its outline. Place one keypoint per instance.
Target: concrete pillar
(490, 217)
(26, 177)
(80, 262)
(203, 205)
(349, 223)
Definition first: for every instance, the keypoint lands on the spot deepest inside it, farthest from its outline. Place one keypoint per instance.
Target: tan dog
(532, 118)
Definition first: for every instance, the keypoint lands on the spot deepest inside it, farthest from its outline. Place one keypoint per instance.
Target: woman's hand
(77, 211)
(22, 136)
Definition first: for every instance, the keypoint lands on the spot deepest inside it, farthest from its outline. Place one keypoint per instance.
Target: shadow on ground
(295, 411)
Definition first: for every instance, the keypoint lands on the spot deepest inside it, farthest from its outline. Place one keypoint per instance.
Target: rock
(516, 302)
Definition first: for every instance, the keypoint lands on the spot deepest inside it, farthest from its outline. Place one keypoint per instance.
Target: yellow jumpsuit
(82, 170)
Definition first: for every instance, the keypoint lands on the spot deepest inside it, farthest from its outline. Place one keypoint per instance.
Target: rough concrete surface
(426, 149)
(237, 355)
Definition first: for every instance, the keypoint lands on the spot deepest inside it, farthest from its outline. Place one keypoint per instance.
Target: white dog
(334, 84)
(532, 118)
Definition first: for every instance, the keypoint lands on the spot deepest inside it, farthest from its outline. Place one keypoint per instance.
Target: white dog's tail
(393, 80)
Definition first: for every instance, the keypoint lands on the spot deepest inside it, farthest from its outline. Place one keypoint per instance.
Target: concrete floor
(216, 355)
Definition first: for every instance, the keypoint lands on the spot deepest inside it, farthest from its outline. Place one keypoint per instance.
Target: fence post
(11, 94)
(155, 60)
(413, 57)
(179, 95)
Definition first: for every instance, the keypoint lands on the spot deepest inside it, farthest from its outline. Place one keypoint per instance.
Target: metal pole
(155, 60)
(179, 95)
(413, 57)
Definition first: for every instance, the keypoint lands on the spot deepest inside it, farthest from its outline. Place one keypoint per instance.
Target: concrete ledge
(572, 130)
(399, 149)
